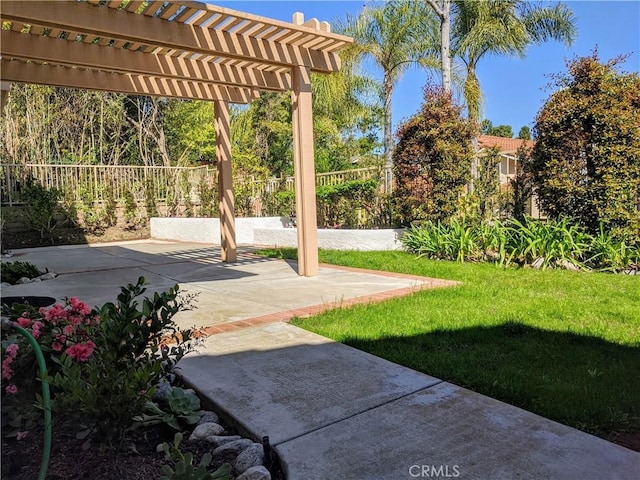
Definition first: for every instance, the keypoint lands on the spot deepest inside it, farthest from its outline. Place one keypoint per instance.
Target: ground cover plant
(562, 344)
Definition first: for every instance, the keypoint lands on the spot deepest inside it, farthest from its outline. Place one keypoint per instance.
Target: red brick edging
(427, 283)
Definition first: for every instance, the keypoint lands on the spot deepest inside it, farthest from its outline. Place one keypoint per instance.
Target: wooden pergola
(187, 50)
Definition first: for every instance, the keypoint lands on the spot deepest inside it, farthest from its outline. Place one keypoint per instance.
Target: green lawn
(562, 344)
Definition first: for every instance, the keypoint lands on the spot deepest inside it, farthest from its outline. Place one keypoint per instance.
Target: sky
(514, 89)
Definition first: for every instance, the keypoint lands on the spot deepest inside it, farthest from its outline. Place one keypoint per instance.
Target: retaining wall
(272, 231)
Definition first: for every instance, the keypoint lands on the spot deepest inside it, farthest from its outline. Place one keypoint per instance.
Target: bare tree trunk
(443, 10)
(387, 85)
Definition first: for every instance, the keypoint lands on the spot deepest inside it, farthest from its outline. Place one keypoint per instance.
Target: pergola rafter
(181, 49)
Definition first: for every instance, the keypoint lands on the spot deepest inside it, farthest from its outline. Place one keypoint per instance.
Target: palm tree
(503, 27)
(395, 34)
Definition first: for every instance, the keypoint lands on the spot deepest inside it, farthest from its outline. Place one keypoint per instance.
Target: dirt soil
(71, 236)
(140, 461)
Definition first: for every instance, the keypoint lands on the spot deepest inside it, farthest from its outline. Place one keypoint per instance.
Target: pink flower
(23, 322)
(81, 351)
(57, 346)
(80, 307)
(68, 329)
(7, 371)
(75, 319)
(56, 313)
(21, 435)
(36, 329)
(12, 350)
(12, 389)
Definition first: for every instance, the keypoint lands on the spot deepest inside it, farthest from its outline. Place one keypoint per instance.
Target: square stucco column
(304, 168)
(225, 183)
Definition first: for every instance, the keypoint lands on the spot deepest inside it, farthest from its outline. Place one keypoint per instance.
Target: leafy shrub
(103, 365)
(130, 208)
(11, 272)
(208, 199)
(353, 204)
(432, 160)
(586, 160)
(93, 217)
(41, 207)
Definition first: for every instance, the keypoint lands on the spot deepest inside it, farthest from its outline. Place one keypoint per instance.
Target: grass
(562, 344)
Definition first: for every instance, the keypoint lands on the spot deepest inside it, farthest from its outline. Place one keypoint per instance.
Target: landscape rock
(163, 389)
(204, 430)
(538, 262)
(37, 279)
(252, 456)
(23, 280)
(255, 473)
(208, 417)
(4, 285)
(48, 276)
(567, 265)
(234, 447)
(218, 440)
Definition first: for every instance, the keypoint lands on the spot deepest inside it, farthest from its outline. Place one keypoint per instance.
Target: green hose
(46, 396)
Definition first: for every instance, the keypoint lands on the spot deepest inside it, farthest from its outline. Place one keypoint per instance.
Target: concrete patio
(330, 411)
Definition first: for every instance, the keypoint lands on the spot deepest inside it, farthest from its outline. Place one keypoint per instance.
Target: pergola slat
(23, 72)
(24, 46)
(120, 25)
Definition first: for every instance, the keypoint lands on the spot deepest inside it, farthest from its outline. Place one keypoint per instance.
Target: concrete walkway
(334, 412)
(331, 411)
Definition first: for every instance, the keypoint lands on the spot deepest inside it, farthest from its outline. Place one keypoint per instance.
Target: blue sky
(514, 89)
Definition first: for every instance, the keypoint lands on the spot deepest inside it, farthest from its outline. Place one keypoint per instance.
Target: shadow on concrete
(582, 381)
(320, 400)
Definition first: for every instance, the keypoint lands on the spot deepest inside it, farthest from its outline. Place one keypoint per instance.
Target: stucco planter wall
(272, 231)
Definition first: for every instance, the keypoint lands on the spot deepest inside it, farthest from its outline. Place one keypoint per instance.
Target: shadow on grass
(581, 381)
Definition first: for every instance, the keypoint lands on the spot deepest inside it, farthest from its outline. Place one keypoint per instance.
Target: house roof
(506, 145)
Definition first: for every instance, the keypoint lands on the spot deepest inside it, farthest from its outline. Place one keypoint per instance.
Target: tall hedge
(586, 161)
(432, 161)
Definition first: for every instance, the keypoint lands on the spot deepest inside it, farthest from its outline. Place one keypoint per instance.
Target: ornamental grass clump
(103, 365)
(550, 244)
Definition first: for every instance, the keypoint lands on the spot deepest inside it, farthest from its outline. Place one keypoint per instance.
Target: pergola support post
(225, 183)
(304, 169)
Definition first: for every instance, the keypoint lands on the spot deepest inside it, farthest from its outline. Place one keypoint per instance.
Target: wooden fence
(101, 182)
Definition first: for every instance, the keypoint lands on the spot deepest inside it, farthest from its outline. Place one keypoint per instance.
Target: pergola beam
(22, 72)
(114, 24)
(42, 49)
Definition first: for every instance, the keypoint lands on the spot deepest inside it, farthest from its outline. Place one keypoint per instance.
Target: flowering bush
(102, 365)
(61, 328)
